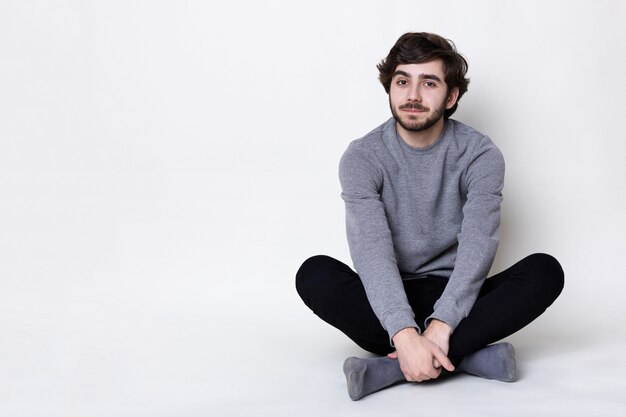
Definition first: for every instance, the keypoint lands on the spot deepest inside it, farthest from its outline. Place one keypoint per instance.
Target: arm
(370, 241)
(372, 251)
(479, 236)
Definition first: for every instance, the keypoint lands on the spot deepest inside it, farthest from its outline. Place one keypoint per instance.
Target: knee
(549, 272)
(308, 276)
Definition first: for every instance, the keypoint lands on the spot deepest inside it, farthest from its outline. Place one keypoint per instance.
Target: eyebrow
(421, 76)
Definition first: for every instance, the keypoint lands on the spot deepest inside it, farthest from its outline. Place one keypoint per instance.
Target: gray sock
(492, 362)
(365, 376)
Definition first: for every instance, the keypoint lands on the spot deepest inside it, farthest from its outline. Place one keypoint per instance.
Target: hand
(439, 333)
(418, 355)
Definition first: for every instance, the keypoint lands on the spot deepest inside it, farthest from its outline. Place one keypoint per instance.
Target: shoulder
(477, 144)
(470, 136)
(374, 140)
(371, 146)
(362, 158)
(484, 163)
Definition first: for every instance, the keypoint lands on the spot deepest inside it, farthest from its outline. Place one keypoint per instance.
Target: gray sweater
(413, 212)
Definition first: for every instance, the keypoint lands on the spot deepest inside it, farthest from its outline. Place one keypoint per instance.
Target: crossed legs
(507, 302)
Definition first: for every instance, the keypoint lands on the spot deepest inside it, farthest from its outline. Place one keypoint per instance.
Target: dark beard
(415, 126)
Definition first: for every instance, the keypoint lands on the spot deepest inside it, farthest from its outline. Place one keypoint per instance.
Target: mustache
(414, 105)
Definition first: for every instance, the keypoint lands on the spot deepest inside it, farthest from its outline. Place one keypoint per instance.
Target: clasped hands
(422, 357)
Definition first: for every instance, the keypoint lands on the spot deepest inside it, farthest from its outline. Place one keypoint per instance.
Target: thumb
(393, 355)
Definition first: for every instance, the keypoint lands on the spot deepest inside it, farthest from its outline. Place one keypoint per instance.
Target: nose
(414, 94)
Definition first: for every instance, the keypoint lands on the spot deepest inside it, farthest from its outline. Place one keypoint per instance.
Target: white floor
(282, 361)
(562, 372)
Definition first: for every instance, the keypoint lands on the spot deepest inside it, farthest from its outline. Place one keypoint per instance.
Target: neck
(422, 138)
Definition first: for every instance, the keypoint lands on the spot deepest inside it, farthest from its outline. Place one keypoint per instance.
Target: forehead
(418, 70)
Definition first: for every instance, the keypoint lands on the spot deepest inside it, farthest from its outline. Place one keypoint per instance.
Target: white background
(166, 166)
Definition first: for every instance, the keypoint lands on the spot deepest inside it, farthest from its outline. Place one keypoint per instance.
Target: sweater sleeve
(479, 236)
(370, 242)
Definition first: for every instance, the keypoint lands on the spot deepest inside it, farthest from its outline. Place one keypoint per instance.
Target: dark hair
(417, 48)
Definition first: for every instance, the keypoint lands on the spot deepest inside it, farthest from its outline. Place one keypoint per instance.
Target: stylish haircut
(417, 48)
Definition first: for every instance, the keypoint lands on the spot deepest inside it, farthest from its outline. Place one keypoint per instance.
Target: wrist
(440, 327)
(403, 335)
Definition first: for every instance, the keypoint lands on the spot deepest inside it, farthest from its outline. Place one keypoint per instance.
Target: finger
(443, 360)
(406, 374)
(436, 363)
(434, 373)
(393, 355)
(413, 377)
(430, 375)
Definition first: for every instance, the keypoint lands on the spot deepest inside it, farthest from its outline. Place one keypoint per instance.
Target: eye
(402, 82)
(430, 84)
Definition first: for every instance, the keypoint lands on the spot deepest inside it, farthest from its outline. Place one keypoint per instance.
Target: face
(418, 95)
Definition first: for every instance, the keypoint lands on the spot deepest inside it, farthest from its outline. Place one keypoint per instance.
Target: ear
(453, 95)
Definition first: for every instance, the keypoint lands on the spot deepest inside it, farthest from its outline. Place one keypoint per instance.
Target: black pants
(507, 302)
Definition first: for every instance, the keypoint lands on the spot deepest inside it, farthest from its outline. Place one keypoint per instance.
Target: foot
(492, 362)
(365, 376)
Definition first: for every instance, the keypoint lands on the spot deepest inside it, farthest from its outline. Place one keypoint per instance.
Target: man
(422, 194)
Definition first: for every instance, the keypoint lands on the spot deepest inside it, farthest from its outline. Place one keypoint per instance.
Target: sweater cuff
(448, 315)
(398, 320)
